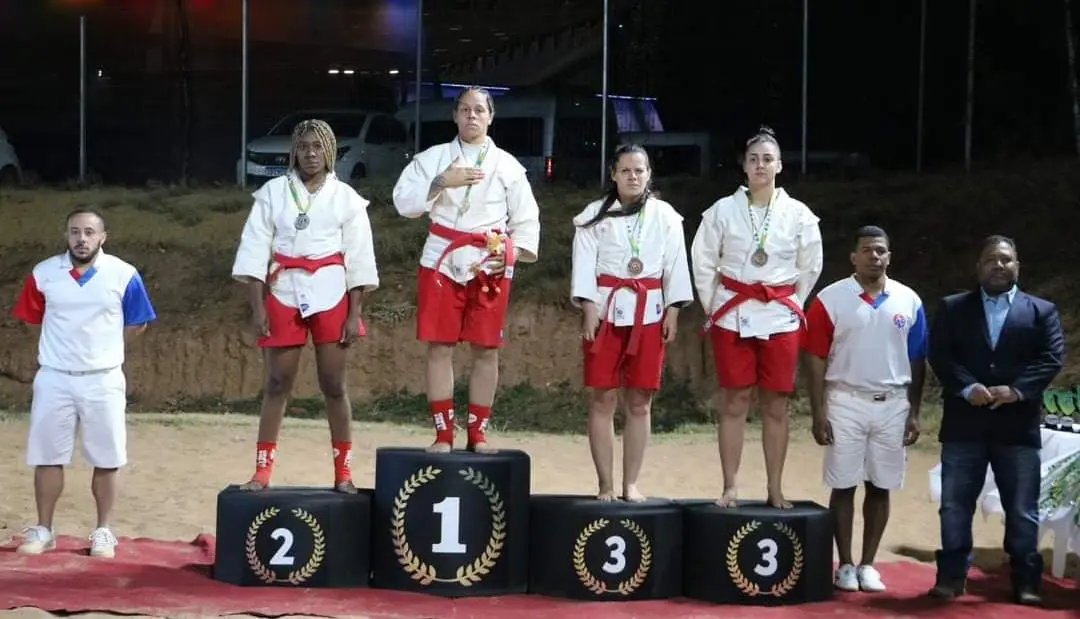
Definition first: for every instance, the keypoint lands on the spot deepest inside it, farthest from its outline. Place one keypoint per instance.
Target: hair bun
(766, 130)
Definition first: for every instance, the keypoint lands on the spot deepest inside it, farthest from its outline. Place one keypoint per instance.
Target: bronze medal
(760, 258)
(635, 266)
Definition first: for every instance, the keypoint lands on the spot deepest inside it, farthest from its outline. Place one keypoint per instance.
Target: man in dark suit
(994, 350)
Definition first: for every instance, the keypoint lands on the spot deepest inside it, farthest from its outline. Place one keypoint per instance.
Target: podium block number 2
(282, 556)
(449, 510)
(768, 549)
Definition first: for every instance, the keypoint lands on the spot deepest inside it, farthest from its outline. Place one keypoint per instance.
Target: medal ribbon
(633, 230)
(296, 198)
(760, 234)
(479, 162)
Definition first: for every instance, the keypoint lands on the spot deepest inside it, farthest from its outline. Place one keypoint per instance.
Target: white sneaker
(102, 543)
(870, 579)
(846, 579)
(36, 540)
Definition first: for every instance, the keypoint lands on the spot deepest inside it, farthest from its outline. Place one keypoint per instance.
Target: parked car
(10, 170)
(370, 144)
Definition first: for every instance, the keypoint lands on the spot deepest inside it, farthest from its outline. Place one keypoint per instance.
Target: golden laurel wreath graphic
(594, 584)
(295, 577)
(751, 588)
(466, 575)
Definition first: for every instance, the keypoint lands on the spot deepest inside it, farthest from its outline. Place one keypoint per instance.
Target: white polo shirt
(82, 317)
(869, 343)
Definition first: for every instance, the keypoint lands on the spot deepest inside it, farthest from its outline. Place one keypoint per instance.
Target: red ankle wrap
(265, 454)
(478, 420)
(442, 413)
(342, 461)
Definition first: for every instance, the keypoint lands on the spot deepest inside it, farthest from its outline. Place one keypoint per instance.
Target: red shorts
(744, 362)
(610, 368)
(288, 328)
(454, 312)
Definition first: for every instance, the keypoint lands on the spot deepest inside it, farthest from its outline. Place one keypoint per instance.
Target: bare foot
(606, 494)
(728, 499)
(439, 448)
(633, 495)
(254, 484)
(346, 487)
(482, 448)
(776, 499)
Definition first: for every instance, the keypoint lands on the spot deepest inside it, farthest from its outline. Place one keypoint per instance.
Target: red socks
(265, 453)
(478, 420)
(442, 413)
(342, 461)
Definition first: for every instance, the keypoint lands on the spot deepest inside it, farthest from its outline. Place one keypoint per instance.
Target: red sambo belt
(641, 288)
(308, 264)
(757, 292)
(494, 241)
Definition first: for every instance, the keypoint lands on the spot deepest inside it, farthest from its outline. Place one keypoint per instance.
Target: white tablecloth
(1057, 446)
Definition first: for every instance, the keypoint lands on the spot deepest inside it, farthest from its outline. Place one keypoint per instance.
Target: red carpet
(171, 578)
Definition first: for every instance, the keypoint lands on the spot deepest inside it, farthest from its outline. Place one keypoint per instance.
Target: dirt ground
(205, 453)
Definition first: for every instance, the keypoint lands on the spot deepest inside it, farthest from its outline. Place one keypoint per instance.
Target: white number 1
(450, 526)
(769, 557)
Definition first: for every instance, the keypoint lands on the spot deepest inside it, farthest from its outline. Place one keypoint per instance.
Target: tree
(1070, 48)
(970, 104)
(183, 34)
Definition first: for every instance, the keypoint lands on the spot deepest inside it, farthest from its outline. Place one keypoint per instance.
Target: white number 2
(768, 545)
(617, 561)
(282, 556)
(450, 526)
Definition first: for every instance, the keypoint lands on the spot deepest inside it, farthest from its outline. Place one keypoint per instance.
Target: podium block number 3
(282, 556)
(768, 549)
(449, 510)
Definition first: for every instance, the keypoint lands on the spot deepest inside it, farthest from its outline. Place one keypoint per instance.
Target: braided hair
(612, 195)
(325, 135)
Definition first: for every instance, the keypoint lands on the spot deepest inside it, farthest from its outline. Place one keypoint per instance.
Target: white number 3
(768, 546)
(617, 562)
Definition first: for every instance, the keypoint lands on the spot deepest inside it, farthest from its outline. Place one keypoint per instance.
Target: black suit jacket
(1029, 354)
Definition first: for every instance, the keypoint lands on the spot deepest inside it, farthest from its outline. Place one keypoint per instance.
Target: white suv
(10, 171)
(370, 144)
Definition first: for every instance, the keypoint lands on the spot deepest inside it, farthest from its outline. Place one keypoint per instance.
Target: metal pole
(82, 99)
(419, 69)
(922, 87)
(969, 112)
(805, 74)
(604, 103)
(244, 95)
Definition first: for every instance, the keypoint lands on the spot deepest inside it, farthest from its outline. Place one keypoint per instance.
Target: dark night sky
(722, 67)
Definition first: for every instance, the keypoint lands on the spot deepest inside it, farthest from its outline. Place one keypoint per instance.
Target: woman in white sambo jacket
(630, 277)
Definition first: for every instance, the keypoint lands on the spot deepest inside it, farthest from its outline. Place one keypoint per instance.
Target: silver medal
(302, 221)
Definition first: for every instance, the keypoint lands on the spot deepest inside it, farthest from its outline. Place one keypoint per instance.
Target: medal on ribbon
(760, 257)
(302, 220)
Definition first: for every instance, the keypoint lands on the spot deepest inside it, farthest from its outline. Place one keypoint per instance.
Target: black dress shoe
(1027, 596)
(947, 590)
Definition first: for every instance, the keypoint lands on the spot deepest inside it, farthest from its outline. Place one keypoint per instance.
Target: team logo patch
(899, 320)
